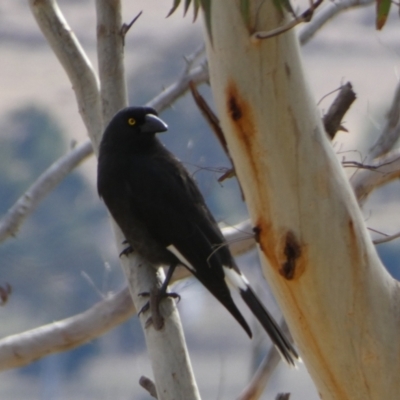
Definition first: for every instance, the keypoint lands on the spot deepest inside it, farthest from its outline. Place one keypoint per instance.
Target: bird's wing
(177, 217)
(163, 194)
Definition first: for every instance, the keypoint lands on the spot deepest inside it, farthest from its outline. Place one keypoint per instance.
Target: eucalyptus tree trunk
(339, 301)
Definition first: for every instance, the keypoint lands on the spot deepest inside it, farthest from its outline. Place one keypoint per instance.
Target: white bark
(378, 173)
(75, 63)
(113, 97)
(23, 348)
(173, 375)
(27, 203)
(338, 299)
(327, 13)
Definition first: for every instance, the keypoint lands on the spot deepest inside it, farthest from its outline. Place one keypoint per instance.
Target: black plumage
(163, 215)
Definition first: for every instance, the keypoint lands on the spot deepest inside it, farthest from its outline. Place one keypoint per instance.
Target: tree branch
(331, 10)
(23, 348)
(166, 347)
(391, 132)
(75, 63)
(260, 379)
(50, 178)
(380, 171)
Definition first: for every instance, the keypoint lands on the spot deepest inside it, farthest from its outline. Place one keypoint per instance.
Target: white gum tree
(339, 301)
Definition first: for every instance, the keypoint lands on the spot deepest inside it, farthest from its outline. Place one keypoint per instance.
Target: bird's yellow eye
(131, 121)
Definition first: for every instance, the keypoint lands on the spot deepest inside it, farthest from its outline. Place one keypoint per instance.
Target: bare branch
(391, 132)
(167, 350)
(303, 17)
(75, 63)
(259, 381)
(387, 238)
(197, 75)
(125, 27)
(28, 202)
(380, 172)
(333, 118)
(331, 10)
(110, 55)
(23, 348)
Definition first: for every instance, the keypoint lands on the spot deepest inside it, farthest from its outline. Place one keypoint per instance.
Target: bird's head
(134, 125)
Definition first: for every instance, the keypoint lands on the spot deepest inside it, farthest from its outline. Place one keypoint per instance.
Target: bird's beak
(153, 124)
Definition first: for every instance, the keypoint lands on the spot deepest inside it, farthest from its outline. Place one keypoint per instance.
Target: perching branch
(23, 348)
(166, 347)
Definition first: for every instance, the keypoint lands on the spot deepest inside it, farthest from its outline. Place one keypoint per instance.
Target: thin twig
(391, 132)
(210, 117)
(125, 27)
(304, 17)
(260, 379)
(331, 10)
(164, 100)
(375, 174)
(387, 238)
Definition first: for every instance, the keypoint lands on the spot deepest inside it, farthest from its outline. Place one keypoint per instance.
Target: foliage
(382, 10)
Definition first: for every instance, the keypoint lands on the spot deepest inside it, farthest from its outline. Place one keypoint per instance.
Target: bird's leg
(155, 297)
(127, 250)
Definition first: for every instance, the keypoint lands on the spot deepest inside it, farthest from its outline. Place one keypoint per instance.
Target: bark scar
(292, 252)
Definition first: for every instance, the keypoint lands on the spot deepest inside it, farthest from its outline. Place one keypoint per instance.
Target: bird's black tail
(275, 333)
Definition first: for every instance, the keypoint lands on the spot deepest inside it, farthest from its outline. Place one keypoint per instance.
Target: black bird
(164, 218)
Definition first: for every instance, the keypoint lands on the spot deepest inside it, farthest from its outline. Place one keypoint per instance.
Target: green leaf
(174, 7)
(206, 5)
(196, 6)
(245, 11)
(382, 12)
(187, 4)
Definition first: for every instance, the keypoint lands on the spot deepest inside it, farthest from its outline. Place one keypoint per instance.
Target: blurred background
(64, 260)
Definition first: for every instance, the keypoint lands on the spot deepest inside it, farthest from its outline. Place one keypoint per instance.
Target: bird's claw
(158, 298)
